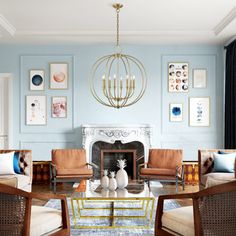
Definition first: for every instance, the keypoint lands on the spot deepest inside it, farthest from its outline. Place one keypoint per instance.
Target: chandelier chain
(117, 27)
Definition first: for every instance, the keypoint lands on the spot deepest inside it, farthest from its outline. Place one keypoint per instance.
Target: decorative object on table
(59, 107)
(58, 76)
(199, 78)
(122, 192)
(112, 181)
(36, 110)
(121, 175)
(37, 80)
(105, 180)
(199, 111)
(176, 112)
(112, 81)
(178, 76)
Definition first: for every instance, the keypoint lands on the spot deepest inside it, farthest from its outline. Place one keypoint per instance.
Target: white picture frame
(199, 111)
(36, 110)
(59, 107)
(178, 77)
(59, 76)
(199, 78)
(37, 80)
(176, 112)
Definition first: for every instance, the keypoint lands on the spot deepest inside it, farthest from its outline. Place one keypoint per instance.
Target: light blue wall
(83, 109)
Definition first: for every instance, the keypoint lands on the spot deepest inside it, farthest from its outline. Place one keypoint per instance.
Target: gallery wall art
(176, 112)
(59, 107)
(36, 80)
(36, 110)
(178, 77)
(199, 111)
(58, 76)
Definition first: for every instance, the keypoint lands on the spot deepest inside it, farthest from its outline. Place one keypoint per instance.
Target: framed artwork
(58, 76)
(59, 107)
(199, 111)
(36, 110)
(199, 78)
(176, 112)
(36, 80)
(178, 76)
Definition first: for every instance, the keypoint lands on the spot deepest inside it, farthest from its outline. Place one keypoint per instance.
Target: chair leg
(54, 186)
(183, 184)
(176, 185)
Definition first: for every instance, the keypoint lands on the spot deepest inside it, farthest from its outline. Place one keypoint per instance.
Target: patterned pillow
(22, 162)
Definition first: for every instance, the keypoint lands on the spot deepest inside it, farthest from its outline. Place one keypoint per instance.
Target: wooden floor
(67, 188)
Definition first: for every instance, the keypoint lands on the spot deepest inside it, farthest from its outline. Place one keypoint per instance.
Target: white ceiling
(141, 21)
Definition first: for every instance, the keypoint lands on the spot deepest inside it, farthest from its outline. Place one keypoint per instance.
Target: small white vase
(105, 180)
(121, 176)
(112, 182)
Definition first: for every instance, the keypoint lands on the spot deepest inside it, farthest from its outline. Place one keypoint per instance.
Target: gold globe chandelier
(117, 80)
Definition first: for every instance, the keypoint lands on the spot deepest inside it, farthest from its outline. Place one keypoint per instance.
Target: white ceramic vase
(105, 180)
(112, 182)
(121, 176)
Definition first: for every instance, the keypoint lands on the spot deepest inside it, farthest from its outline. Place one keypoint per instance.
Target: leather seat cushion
(157, 171)
(77, 171)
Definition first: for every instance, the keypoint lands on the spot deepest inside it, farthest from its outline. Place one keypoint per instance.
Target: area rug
(169, 204)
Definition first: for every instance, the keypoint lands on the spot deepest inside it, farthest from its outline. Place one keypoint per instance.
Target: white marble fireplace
(110, 133)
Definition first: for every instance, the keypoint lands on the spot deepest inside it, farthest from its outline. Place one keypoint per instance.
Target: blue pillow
(16, 163)
(224, 162)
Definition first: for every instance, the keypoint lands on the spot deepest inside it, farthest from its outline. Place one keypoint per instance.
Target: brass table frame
(77, 203)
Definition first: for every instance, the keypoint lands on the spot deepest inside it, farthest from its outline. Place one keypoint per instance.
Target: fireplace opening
(109, 160)
(133, 151)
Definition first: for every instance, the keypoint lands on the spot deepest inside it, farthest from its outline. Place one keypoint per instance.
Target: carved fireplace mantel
(111, 133)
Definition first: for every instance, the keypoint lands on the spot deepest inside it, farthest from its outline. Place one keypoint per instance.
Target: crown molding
(112, 33)
(225, 21)
(7, 26)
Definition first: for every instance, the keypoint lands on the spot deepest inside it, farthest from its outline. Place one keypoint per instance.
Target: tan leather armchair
(69, 165)
(164, 165)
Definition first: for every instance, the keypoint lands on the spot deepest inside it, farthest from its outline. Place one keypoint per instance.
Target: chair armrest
(143, 164)
(93, 165)
(180, 171)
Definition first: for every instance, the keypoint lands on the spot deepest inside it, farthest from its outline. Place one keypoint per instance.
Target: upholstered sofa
(207, 175)
(23, 179)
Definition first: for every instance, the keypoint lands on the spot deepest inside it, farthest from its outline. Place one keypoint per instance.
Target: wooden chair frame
(64, 231)
(222, 188)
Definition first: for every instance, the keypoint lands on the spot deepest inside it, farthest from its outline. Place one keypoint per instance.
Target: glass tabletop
(93, 190)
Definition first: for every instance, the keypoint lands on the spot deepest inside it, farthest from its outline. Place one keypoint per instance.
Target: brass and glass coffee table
(94, 207)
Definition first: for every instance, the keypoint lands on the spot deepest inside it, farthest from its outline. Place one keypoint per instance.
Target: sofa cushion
(21, 180)
(11, 181)
(69, 158)
(179, 220)
(6, 163)
(78, 171)
(157, 171)
(224, 162)
(44, 220)
(217, 176)
(165, 158)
